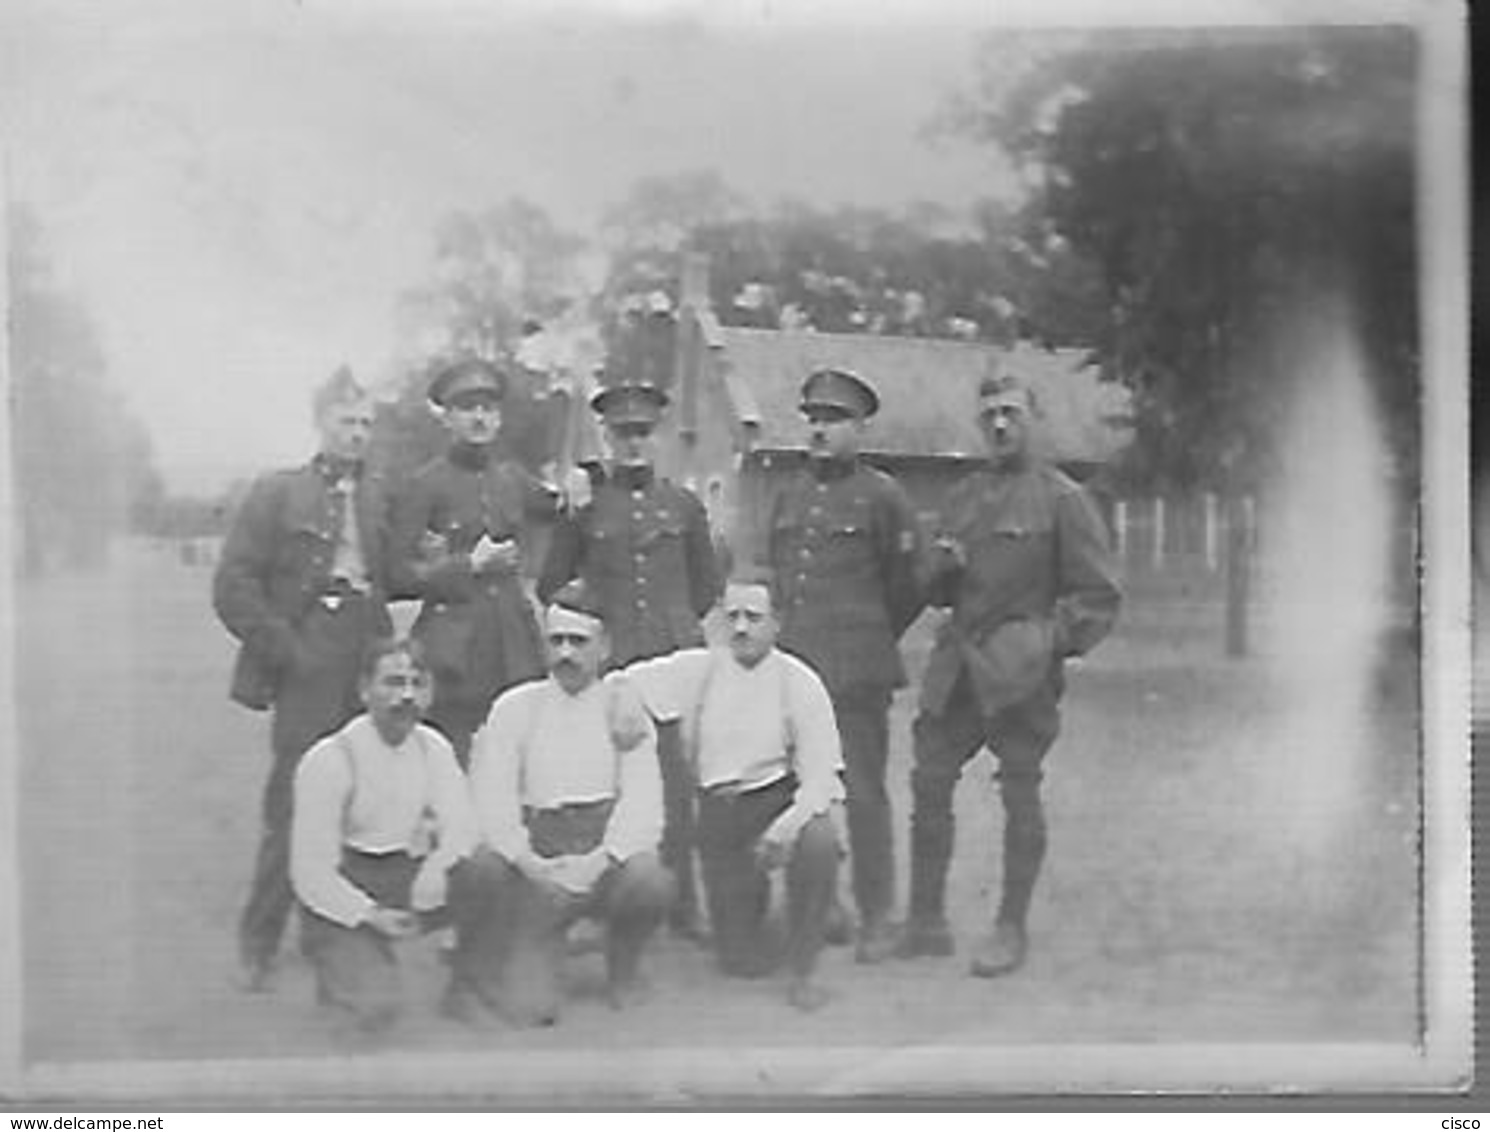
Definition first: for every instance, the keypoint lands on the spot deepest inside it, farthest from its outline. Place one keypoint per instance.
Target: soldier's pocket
(1016, 547)
(666, 533)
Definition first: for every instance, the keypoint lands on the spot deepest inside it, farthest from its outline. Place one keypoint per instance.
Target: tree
(83, 464)
(924, 270)
(496, 274)
(493, 270)
(1216, 188)
(1222, 190)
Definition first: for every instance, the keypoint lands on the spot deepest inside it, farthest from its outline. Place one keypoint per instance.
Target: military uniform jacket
(1039, 585)
(478, 630)
(276, 563)
(844, 551)
(645, 550)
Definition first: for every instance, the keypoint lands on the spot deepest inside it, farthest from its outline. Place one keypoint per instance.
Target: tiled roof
(927, 389)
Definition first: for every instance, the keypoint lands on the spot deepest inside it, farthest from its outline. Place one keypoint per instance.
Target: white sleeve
(669, 685)
(635, 824)
(450, 797)
(496, 772)
(818, 756)
(323, 783)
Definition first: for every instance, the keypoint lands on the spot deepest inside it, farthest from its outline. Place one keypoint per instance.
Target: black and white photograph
(662, 553)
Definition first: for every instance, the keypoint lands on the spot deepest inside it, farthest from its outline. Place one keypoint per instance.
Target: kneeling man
(381, 843)
(569, 794)
(765, 748)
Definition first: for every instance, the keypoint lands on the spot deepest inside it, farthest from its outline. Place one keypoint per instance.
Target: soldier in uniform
(643, 547)
(458, 527)
(844, 548)
(1023, 560)
(301, 585)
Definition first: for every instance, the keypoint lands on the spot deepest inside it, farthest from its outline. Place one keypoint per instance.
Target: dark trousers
(678, 790)
(318, 695)
(458, 721)
(518, 947)
(1019, 736)
(863, 715)
(356, 968)
(738, 890)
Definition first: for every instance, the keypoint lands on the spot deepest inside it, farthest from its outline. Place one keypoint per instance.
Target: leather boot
(1001, 951)
(926, 931)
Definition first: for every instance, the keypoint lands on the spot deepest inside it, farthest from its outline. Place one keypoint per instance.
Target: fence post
(1120, 526)
(1238, 572)
(1158, 531)
(1212, 531)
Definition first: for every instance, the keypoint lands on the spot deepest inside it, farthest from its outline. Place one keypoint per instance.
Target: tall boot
(926, 931)
(1004, 949)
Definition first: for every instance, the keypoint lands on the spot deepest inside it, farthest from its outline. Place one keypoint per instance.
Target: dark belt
(729, 791)
(572, 828)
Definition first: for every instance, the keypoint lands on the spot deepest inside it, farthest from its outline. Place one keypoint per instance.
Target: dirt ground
(1215, 874)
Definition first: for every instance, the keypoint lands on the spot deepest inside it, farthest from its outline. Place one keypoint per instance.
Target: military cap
(630, 404)
(842, 389)
(469, 375)
(338, 389)
(752, 574)
(577, 597)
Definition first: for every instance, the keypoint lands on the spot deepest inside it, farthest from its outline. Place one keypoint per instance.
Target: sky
(239, 191)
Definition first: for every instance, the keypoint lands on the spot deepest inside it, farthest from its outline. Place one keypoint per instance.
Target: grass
(1202, 884)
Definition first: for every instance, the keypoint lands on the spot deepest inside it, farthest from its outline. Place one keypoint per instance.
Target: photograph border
(1440, 1063)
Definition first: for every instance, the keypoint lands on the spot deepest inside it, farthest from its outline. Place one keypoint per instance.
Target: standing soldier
(643, 547)
(1024, 564)
(458, 526)
(844, 547)
(300, 584)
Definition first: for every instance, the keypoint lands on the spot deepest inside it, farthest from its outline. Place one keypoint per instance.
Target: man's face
(576, 648)
(833, 433)
(474, 418)
(396, 695)
(751, 620)
(632, 443)
(1005, 420)
(345, 428)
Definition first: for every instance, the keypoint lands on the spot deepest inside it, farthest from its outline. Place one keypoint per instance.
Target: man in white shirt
(381, 845)
(568, 794)
(765, 747)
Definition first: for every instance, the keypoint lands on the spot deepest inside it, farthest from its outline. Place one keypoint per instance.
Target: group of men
(505, 772)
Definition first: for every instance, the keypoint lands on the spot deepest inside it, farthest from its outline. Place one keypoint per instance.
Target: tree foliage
(495, 274)
(83, 465)
(492, 271)
(922, 270)
(1221, 189)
